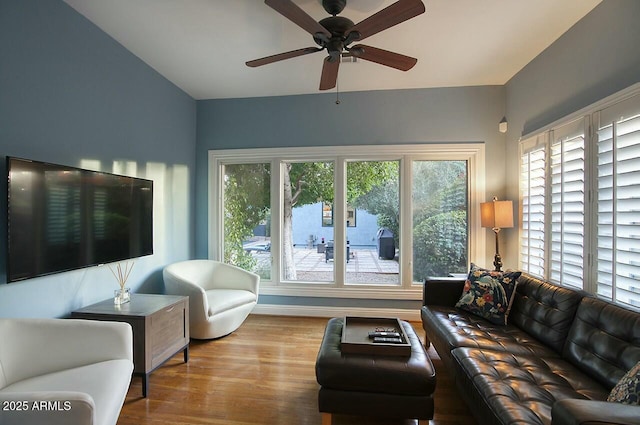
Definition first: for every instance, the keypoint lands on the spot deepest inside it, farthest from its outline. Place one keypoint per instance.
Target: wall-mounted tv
(63, 218)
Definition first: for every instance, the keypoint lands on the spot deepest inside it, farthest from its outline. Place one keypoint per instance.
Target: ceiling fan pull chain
(337, 93)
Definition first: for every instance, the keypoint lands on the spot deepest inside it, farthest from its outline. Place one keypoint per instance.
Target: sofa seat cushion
(106, 382)
(522, 388)
(463, 329)
(221, 300)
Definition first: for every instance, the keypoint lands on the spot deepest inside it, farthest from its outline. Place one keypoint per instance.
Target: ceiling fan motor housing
(338, 26)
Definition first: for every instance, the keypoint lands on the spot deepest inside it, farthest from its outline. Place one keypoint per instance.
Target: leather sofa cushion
(544, 310)
(604, 340)
(463, 329)
(522, 388)
(583, 412)
(414, 375)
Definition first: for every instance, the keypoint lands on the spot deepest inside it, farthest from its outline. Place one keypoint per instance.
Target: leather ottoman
(374, 385)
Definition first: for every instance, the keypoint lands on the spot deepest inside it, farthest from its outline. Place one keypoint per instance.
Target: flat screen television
(63, 218)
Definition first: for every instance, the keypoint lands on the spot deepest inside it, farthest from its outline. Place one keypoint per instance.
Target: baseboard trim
(330, 311)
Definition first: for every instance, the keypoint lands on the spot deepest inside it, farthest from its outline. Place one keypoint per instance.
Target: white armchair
(221, 296)
(59, 371)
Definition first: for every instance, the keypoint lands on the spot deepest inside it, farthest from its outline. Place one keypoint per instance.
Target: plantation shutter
(532, 188)
(567, 166)
(618, 200)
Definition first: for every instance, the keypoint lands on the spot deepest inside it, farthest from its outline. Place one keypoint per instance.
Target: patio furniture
(328, 252)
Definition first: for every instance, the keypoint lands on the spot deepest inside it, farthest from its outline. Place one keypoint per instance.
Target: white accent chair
(221, 296)
(58, 371)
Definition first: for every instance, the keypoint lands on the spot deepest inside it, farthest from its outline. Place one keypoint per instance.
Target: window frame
(473, 153)
(545, 137)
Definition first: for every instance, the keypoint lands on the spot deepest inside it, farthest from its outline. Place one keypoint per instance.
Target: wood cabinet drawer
(168, 333)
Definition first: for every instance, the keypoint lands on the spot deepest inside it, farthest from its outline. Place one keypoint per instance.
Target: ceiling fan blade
(329, 76)
(395, 14)
(383, 57)
(282, 56)
(291, 11)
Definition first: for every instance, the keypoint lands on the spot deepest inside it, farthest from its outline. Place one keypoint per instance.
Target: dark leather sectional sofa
(555, 362)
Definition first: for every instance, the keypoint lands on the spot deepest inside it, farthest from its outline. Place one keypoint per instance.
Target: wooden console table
(160, 328)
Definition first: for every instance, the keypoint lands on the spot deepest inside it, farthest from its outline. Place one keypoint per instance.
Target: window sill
(351, 291)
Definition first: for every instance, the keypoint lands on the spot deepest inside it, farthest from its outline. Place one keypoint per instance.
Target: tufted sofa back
(604, 340)
(545, 311)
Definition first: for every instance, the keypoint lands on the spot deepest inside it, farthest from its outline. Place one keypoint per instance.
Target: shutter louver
(618, 191)
(568, 205)
(533, 215)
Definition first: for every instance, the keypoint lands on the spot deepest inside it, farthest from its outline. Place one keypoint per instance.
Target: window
(246, 212)
(374, 186)
(327, 215)
(567, 203)
(532, 187)
(305, 183)
(618, 202)
(580, 191)
(275, 212)
(440, 218)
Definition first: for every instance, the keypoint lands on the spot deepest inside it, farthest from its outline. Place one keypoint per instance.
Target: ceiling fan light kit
(336, 33)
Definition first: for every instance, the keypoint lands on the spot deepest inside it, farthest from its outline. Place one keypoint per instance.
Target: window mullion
(406, 222)
(591, 207)
(547, 209)
(339, 221)
(277, 196)
(216, 203)
(614, 212)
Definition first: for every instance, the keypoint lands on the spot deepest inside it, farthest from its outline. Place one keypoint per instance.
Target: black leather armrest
(443, 291)
(589, 412)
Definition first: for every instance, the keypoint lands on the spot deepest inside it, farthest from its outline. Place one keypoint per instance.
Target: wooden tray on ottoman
(355, 337)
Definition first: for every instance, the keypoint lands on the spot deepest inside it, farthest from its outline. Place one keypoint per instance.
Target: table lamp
(496, 215)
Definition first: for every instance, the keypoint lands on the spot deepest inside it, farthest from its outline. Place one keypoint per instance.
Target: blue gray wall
(70, 94)
(597, 57)
(461, 114)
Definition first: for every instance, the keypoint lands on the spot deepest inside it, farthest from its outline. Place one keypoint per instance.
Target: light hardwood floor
(264, 373)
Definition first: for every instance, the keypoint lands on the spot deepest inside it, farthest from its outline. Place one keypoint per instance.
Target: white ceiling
(202, 45)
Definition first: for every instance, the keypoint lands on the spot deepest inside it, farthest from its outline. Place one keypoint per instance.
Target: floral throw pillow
(627, 391)
(489, 294)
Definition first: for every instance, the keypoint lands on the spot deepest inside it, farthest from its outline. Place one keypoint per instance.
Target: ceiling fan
(336, 33)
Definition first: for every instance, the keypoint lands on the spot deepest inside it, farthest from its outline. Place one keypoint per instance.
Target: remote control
(384, 334)
(380, 339)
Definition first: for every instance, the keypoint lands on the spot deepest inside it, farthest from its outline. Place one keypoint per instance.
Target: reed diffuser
(122, 295)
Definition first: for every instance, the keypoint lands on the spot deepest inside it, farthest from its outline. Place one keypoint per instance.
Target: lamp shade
(496, 214)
